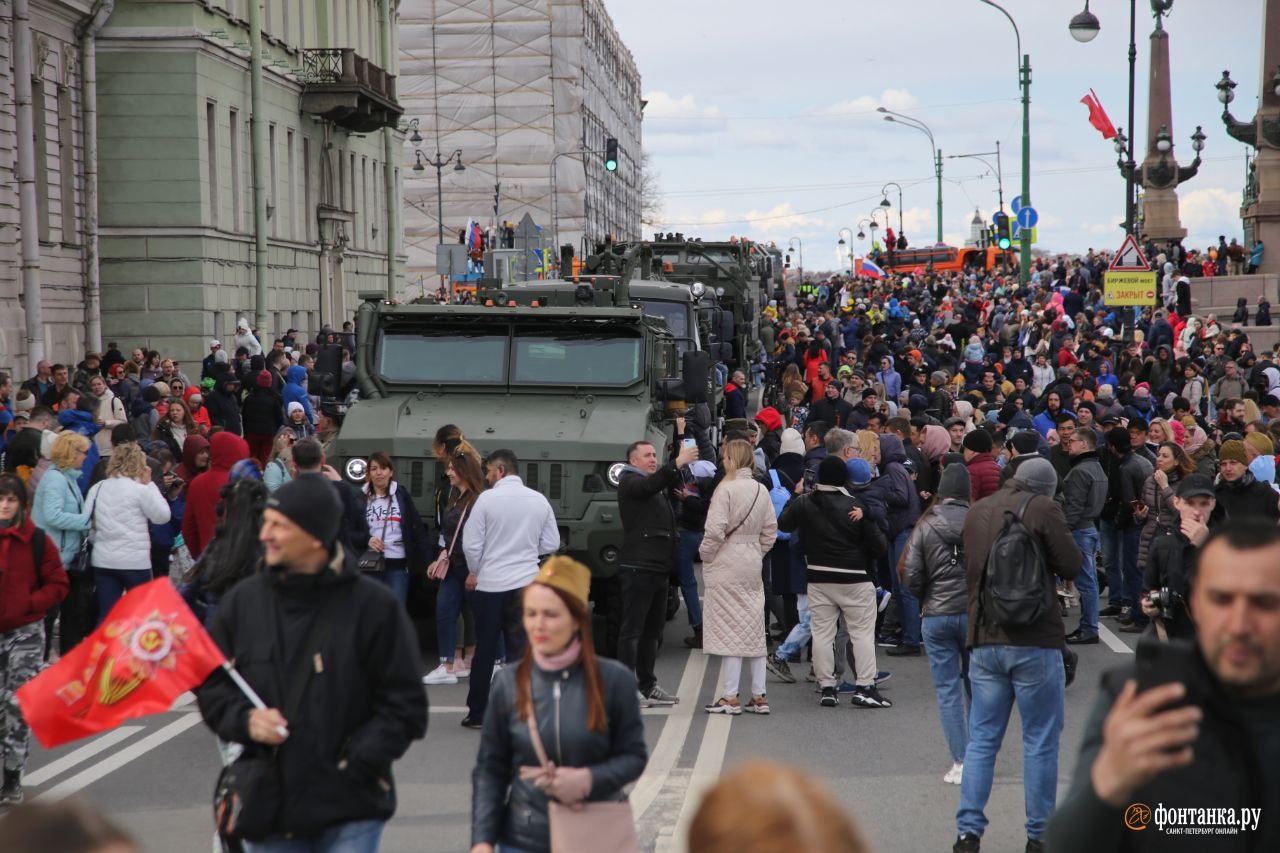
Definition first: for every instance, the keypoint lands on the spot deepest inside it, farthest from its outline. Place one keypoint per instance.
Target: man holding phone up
(1209, 738)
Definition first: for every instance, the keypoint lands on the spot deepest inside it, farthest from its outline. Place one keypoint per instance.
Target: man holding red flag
(334, 658)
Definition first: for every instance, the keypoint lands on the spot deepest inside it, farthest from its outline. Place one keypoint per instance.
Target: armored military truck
(565, 374)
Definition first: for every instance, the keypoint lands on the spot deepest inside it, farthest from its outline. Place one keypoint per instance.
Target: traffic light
(611, 155)
(1003, 240)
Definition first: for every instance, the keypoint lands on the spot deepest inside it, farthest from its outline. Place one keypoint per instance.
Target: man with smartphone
(1191, 725)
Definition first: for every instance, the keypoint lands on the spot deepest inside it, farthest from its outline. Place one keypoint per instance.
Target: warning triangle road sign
(1129, 256)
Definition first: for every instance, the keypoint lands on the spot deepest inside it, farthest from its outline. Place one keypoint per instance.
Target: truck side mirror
(725, 325)
(694, 370)
(724, 352)
(324, 378)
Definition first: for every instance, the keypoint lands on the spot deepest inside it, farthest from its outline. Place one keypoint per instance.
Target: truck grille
(546, 477)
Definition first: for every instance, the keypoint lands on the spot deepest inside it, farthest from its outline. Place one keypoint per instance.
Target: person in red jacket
(225, 450)
(984, 473)
(31, 584)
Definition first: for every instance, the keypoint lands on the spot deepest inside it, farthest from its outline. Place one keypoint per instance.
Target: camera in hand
(1167, 600)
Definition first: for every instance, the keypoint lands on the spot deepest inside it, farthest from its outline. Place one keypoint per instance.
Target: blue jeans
(1087, 580)
(1112, 553)
(908, 604)
(449, 599)
(687, 550)
(944, 642)
(1133, 589)
(800, 634)
(998, 677)
(113, 583)
(395, 578)
(360, 836)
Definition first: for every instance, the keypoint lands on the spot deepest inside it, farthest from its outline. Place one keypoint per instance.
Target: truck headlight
(356, 469)
(697, 289)
(614, 473)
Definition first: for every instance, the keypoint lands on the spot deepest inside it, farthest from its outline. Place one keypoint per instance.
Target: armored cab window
(595, 357)
(447, 356)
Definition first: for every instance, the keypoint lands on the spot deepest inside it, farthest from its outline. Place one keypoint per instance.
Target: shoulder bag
(82, 560)
(585, 826)
(440, 565)
(250, 791)
(373, 560)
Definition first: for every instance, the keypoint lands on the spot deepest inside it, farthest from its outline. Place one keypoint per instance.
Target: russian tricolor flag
(869, 268)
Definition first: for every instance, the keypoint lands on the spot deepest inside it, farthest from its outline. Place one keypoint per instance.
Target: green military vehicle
(565, 374)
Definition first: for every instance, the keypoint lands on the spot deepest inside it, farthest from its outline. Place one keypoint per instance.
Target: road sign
(1016, 204)
(1027, 217)
(1129, 256)
(1125, 287)
(1016, 234)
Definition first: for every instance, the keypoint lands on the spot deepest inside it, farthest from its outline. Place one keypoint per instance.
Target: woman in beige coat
(740, 530)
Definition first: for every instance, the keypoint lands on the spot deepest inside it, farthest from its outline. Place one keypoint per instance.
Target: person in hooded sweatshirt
(81, 420)
(244, 338)
(263, 416)
(295, 391)
(195, 404)
(223, 404)
(225, 450)
(195, 459)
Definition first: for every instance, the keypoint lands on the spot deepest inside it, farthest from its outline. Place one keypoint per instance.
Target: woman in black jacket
(395, 527)
(263, 414)
(584, 709)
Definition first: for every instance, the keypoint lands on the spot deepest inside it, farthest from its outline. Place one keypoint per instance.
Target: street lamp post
(884, 191)
(841, 242)
(1084, 28)
(420, 164)
(800, 253)
(908, 121)
(979, 156)
(1024, 80)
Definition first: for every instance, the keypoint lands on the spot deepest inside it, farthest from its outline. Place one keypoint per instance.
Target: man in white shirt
(510, 526)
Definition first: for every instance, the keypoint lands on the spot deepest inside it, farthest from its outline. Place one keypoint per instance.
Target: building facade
(178, 163)
(527, 91)
(51, 143)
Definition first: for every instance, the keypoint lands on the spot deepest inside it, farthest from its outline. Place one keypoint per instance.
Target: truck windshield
(576, 358)
(676, 315)
(470, 356)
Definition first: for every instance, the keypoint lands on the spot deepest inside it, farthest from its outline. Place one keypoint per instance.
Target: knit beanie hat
(1261, 442)
(1027, 441)
(1038, 476)
(858, 471)
(1233, 450)
(24, 404)
(151, 394)
(311, 502)
(264, 379)
(792, 442)
(978, 441)
(294, 406)
(949, 459)
(832, 472)
(954, 483)
(1118, 440)
(245, 469)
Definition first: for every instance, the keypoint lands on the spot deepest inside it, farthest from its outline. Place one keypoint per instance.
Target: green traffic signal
(1003, 237)
(611, 155)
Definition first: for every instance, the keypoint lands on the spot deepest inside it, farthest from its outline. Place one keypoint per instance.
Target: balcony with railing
(344, 87)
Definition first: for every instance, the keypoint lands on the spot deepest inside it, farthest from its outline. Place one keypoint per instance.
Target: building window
(291, 177)
(308, 212)
(211, 148)
(364, 213)
(42, 159)
(236, 197)
(67, 166)
(271, 176)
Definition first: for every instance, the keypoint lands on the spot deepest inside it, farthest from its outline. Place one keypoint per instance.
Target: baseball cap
(215, 343)
(1195, 485)
(1109, 419)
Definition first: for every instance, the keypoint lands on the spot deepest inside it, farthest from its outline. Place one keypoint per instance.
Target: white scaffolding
(512, 84)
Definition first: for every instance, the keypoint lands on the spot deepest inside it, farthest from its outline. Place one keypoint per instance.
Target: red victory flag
(147, 652)
(1098, 116)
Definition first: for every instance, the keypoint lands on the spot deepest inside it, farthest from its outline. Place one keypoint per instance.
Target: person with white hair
(244, 337)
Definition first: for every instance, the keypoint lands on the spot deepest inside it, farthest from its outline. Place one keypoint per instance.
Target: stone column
(1159, 171)
(1263, 215)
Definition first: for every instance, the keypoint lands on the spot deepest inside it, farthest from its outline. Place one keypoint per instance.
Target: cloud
(720, 222)
(893, 99)
(682, 114)
(1210, 209)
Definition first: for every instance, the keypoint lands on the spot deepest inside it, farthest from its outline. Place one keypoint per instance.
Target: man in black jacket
(343, 694)
(1219, 751)
(1128, 472)
(1084, 495)
(646, 560)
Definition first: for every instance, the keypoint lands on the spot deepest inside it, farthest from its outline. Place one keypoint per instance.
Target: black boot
(694, 641)
(12, 790)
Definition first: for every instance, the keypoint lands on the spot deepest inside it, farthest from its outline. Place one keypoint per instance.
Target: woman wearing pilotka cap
(586, 714)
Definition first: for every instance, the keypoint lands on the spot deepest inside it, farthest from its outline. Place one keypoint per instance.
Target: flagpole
(250, 693)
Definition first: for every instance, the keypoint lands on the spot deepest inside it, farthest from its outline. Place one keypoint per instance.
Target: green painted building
(177, 162)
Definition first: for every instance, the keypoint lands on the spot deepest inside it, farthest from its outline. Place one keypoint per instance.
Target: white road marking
(183, 701)
(1113, 642)
(119, 759)
(462, 709)
(59, 766)
(706, 770)
(666, 752)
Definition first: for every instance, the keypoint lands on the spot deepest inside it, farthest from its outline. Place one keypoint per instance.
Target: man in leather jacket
(1220, 749)
(646, 560)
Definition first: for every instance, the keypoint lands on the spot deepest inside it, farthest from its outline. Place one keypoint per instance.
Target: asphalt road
(155, 776)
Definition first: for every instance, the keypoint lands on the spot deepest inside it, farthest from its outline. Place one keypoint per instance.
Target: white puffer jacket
(121, 510)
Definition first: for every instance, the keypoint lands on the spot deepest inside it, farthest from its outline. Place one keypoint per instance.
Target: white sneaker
(462, 671)
(440, 675)
(955, 775)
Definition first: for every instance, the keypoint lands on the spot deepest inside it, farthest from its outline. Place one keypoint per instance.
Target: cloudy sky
(761, 116)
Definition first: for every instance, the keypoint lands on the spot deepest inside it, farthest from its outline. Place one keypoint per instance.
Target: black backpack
(1012, 593)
